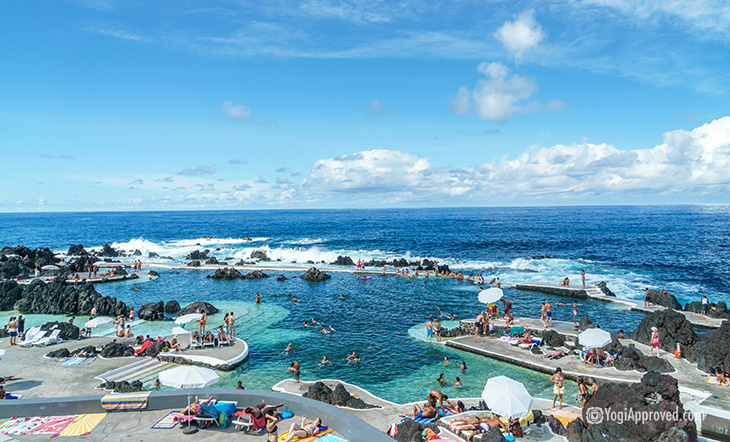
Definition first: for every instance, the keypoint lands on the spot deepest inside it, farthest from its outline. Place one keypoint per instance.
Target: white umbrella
(50, 267)
(188, 318)
(97, 322)
(490, 296)
(188, 376)
(594, 338)
(507, 397)
(179, 331)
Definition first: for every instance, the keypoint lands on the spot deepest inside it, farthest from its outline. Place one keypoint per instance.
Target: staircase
(145, 371)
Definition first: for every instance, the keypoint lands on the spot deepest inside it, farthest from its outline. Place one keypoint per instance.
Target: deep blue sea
(685, 249)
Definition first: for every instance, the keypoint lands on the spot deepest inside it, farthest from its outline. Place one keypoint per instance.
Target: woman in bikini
(654, 341)
(302, 430)
(485, 425)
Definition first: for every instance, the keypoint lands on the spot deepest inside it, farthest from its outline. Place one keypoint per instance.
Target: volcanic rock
(60, 353)
(81, 264)
(717, 310)
(319, 392)
(199, 307)
(314, 274)
(212, 260)
(76, 250)
(556, 426)
(33, 259)
(410, 430)
(603, 287)
(256, 274)
(56, 298)
(198, 255)
(119, 271)
(551, 338)
(68, 332)
(666, 300)
(585, 323)
(116, 350)
(194, 263)
(153, 273)
(343, 261)
(10, 293)
(673, 328)
(153, 255)
(260, 255)
(107, 250)
(172, 307)
(281, 278)
(13, 268)
(712, 350)
(154, 311)
(227, 273)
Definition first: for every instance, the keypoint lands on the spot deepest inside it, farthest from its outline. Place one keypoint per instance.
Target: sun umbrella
(97, 322)
(594, 338)
(507, 397)
(188, 318)
(490, 296)
(188, 376)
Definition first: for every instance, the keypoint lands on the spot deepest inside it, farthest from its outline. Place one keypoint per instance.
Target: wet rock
(76, 250)
(153, 255)
(68, 332)
(107, 250)
(655, 393)
(556, 426)
(585, 323)
(259, 255)
(172, 307)
(60, 353)
(199, 307)
(314, 274)
(136, 253)
(667, 300)
(194, 263)
(603, 287)
(717, 310)
(198, 255)
(256, 274)
(673, 328)
(343, 261)
(281, 278)
(153, 273)
(212, 260)
(712, 350)
(227, 273)
(154, 311)
(410, 430)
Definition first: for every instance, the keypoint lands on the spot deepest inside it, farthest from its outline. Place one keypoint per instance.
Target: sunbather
(8, 378)
(435, 395)
(428, 411)
(526, 338)
(722, 378)
(458, 424)
(174, 344)
(301, 430)
(484, 427)
(194, 408)
(556, 354)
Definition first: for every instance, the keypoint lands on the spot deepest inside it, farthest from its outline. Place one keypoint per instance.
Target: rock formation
(76, 250)
(172, 307)
(314, 274)
(227, 273)
(256, 274)
(260, 255)
(340, 396)
(603, 287)
(107, 250)
(712, 350)
(717, 310)
(212, 260)
(154, 311)
(199, 307)
(68, 332)
(198, 255)
(673, 328)
(58, 298)
(343, 261)
(667, 300)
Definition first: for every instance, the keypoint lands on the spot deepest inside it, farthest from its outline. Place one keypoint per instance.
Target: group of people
(14, 328)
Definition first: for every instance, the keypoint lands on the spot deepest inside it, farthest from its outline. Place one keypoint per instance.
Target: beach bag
(516, 430)
(222, 420)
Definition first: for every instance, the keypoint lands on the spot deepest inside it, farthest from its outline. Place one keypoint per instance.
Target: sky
(305, 104)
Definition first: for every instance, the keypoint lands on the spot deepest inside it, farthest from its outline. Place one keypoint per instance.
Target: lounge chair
(209, 344)
(194, 345)
(244, 422)
(223, 342)
(52, 339)
(32, 336)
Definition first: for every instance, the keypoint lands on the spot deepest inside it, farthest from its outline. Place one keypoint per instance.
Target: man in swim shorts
(428, 411)
(429, 329)
(548, 313)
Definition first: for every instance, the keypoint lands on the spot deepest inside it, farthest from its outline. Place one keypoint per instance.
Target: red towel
(144, 347)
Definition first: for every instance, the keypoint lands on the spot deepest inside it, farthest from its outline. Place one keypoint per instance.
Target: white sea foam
(202, 242)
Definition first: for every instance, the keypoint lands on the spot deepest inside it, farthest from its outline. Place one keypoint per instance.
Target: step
(140, 373)
(121, 371)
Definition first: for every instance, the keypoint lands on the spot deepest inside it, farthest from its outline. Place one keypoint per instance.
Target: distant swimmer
(446, 361)
(258, 298)
(462, 366)
(325, 360)
(288, 348)
(353, 357)
(305, 324)
(332, 328)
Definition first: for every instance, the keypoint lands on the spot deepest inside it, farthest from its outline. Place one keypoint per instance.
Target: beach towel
(422, 420)
(285, 434)
(564, 416)
(258, 423)
(54, 425)
(7, 424)
(713, 380)
(125, 401)
(144, 347)
(329, 437)
(166, 422)
(83, 424)
(73, 361)
(517, 331)
(24, 425)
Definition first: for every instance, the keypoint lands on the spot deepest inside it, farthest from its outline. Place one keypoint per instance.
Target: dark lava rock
(14, 268)
(156, 348)
(116, 350)
(655, 393)
(227, 273)
(198, 255)
(719, 310)
(154, 311)
(410, 430)
(31, 258)
(256, 274)
(83, 263)
(172, 307)
(122, 386)
(319, 392)
(119, 271)
(340, 396)
(673, 328)
(574, 430)
(10, 293)
(260, 255)
(281, 278)
(194, 263)
(494, 435)
(712, 350)
(212, 260)
(136, 253)
(314, 274)
(556, 425)
(107, 250)
(343, 261)
(56, 298)
(199, 307)
(551, 338)
(153, 255)
(443, 269)
(668, 300)
(60, 353)
(76, 250)
(153, 273)
(69, 332)
(603, 287)
(585, 323)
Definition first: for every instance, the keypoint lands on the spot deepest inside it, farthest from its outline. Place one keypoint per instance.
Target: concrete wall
(348, 425)
(559, 291)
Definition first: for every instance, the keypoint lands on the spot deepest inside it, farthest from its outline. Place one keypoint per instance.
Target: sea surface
(685, 249)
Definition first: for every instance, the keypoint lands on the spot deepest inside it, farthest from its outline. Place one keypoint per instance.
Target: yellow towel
(524, 421)
(711, 381)
(283, 436)
(564, 416)
(83, 424)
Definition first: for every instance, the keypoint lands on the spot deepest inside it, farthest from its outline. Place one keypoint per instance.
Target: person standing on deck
(429, 329)
(647, 297)
(437, 330)
(705, 305)
(583, 277)
(548, 313)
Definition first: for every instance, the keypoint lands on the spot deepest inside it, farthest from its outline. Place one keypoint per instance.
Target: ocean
(684, 249)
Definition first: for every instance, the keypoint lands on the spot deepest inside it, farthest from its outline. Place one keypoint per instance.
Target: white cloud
(376, 109)
(236, 112)
(500, 95)
(198, 171)
(520, 35)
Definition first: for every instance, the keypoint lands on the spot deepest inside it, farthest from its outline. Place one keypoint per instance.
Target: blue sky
(133, 105)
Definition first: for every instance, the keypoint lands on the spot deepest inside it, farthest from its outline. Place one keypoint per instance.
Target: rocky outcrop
(603, 287)
(31, 258)
(717, 310)
(314, 274)
(153, 255)
(664, 299)
(119, 271)
(57, 298)
(198, 255)
(172, 307)
(656, 395)
(212, 260)
(673, 328)
(199, 307)
(76, 250)
(410, 430)
(712, 350)
(68, 332)
(122, 386)
(194, 263)
(10, 293)
(81, 264)
(340, 396)
(260, 255)
(632, 359)
(343, 261)
(13, 268)
(60, 353)
(107, 250)
(227, 273)
(154, 311)
(152, 273)
(281, 278)
(585, 323)
(256, 274)
(116, 350)
(568, 292)
(551, 338)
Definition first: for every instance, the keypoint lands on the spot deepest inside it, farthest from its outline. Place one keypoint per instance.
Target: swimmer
(353, 357)
(325, 360)
(441, 380)
(332, 328)
(305, 324)
(446, 361)
(288, 348)
(457, 383)
(342, 297)
(462, 366)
